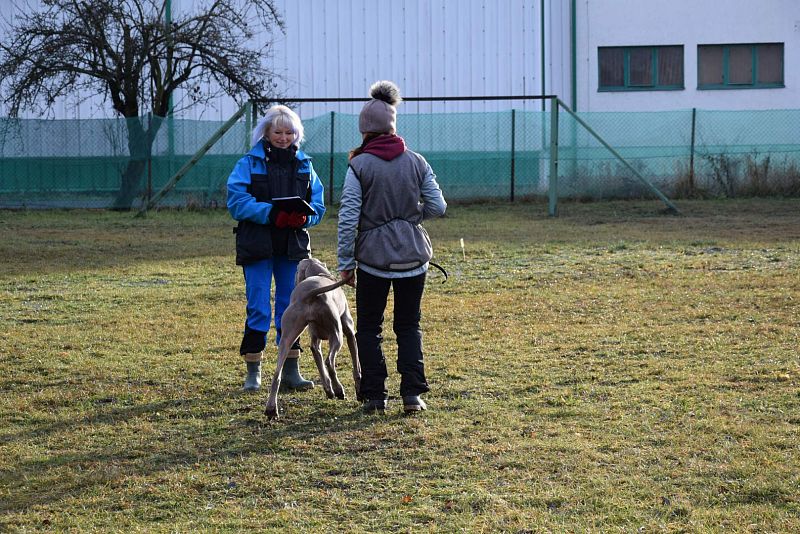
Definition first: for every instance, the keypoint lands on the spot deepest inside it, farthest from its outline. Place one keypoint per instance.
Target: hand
(296, 220)
(282, 220)
(350, 276)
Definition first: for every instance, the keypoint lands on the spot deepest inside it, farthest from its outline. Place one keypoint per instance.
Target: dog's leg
(334, 346)
(292, 326)
(272, 402)
(349, 330)
(316, 350)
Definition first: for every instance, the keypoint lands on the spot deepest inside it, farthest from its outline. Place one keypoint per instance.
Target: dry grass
(614, 369)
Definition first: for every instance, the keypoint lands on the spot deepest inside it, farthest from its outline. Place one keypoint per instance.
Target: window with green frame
(640, 68)
(740, 66)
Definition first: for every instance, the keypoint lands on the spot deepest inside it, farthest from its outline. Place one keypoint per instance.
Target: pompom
(386, 91)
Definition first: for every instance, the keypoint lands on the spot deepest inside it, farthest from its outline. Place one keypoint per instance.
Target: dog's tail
(324, 289)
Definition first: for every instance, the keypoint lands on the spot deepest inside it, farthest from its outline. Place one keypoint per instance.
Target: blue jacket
(251, 186)
(243, 206)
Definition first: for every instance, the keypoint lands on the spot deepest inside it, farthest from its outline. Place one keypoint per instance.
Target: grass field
(611, 370)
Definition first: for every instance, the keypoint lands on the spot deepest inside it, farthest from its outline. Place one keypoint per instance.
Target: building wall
(428, 47)
(337, 48)
(688, 23)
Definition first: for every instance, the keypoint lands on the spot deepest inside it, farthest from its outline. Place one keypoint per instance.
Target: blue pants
(258, 290)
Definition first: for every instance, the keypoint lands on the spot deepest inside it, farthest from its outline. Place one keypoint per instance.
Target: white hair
(280, 116)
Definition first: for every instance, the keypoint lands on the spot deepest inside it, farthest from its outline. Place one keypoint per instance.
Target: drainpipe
(542, 48)
(572, 154)
(170, 104)
(553, 109)
(574, 66)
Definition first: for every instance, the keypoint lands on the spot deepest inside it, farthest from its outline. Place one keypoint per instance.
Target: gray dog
(321, 306)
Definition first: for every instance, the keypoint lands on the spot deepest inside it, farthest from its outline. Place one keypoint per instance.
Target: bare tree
(125, 51)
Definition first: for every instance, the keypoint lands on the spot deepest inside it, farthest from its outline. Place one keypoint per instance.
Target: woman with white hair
(272, 234)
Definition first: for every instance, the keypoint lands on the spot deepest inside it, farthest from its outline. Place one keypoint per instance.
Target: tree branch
(120, 49)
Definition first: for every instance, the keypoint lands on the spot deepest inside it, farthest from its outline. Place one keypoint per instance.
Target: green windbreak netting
(499, 155)
(105, 163)
(682, 153)
(471, 153)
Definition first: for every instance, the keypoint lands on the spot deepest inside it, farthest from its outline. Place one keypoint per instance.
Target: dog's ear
(319, 264)
(302, 272)
(324, 267)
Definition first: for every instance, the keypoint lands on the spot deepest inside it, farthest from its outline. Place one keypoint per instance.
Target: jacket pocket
(302, 185)
(298, 245)
(253, 242)
(260, 187)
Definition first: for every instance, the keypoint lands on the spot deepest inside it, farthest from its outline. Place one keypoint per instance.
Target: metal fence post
(193, 161)
(513, 149)
(553, 182)
(617, 155)
(150, 157)
(691, 152)
(330, 179)
(248, 125)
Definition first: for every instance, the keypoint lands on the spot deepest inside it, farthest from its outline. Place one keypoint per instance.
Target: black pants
(372, 293)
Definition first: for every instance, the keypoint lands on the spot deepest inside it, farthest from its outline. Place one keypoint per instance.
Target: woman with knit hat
(388, 191)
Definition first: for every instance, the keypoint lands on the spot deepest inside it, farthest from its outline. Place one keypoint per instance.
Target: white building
(653, 54)
(430, 48)
(726, 54)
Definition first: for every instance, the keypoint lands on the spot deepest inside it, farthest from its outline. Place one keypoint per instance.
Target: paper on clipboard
(293, 204)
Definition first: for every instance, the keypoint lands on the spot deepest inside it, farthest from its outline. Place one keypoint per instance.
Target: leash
(441, 269)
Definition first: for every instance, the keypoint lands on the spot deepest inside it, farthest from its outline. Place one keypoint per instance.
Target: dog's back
(313, 280)
(321, 303)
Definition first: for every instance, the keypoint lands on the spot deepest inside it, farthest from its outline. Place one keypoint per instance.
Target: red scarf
(386, 146)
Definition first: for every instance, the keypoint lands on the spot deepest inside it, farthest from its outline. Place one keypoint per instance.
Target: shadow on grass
(190, 434)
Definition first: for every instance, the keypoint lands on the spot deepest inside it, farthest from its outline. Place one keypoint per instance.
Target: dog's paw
(341, 395)
(271, 412)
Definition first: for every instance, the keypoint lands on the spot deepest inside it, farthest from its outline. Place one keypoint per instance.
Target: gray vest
(390, 233)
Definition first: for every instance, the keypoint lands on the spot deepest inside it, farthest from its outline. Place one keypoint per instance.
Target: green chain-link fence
(488, 155)
(83, 163)
(682, 153)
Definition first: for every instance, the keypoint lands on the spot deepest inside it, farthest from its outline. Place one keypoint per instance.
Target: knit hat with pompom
(379, 114)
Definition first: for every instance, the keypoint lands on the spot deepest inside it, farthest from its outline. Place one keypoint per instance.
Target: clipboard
(293, 204)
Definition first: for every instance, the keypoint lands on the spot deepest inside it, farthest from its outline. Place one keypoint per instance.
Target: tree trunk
(130, 185)
(140, 145)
